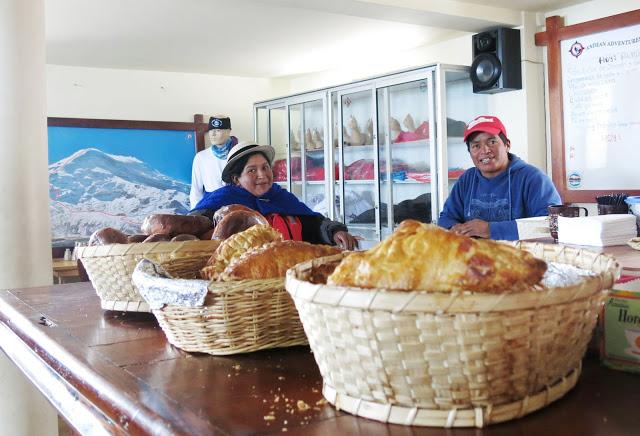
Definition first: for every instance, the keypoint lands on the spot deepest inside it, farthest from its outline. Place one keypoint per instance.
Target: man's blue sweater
(521, 191)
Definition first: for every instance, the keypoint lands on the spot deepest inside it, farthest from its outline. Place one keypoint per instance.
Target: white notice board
(601, 101)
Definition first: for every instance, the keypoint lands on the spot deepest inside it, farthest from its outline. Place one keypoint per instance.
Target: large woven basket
(232, 317)
(450, 359)
(109, 268)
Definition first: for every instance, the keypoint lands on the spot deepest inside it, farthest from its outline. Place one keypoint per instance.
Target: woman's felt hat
(242, 149)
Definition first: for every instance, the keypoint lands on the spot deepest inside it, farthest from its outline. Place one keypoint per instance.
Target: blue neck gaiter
(222, 150)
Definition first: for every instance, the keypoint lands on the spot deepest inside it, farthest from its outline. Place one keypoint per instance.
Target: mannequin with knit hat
(206, 172)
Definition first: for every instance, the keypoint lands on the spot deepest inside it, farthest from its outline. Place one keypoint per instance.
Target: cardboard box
(620, 323)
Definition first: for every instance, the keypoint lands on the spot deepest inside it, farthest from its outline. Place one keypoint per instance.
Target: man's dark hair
(474, 134)
(238, 166)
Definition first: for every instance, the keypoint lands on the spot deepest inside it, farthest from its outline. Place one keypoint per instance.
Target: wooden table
(65, 269)
(627, 256)
(115, 372)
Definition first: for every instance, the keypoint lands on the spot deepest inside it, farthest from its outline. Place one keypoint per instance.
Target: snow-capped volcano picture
(95, 187)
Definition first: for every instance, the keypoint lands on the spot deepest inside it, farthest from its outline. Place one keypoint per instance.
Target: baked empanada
(274, 259)
(236, 245)
(426, 257)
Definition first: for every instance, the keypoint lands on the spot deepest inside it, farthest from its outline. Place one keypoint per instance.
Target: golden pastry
(426, 257)
(235, 245)
(274, 259)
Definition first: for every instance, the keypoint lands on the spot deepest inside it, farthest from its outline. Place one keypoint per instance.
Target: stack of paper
(533, 228)
(600, 230)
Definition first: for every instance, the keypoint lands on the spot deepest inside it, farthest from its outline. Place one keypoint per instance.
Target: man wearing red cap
(500, 188)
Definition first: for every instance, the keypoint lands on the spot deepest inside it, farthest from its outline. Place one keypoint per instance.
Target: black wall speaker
(496, 61)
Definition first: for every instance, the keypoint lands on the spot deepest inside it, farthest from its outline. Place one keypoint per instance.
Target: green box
(620, 348)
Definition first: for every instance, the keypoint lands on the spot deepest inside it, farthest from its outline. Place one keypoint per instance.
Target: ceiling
(260, 38)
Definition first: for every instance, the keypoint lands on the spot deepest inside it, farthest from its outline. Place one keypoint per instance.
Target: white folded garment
(599, 230)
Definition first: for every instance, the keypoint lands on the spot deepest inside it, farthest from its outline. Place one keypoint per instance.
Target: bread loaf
(225, 210)
(273, 260)
(131, 239)
(157, 237)
(426, 257)
(184, 237)
(107, 235)
(236, 245)
(206, 236)
(237, 221)
(176, 224)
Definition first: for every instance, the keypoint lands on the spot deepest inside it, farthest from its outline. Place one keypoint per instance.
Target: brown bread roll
(157, 237)
(184, 237)
(206, 236)
(108, 235)
(131, 239)
(176, 224)
(236, 222)
(226, 210)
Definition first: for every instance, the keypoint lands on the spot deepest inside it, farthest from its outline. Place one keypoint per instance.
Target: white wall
(456, 50)
(593, 10)
(80, 92)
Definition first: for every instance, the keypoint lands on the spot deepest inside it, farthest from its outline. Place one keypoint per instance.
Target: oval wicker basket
(235, 317)
(449, 359)
(109, 268)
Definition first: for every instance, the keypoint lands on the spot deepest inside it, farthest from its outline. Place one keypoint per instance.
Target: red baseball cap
(485, 123)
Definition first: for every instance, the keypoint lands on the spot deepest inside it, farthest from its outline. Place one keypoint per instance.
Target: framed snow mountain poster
(111, 173)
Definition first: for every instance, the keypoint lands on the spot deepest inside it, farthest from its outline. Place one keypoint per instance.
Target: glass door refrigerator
(295, 126)
(405, 131)
(390, 146)
(357, 184)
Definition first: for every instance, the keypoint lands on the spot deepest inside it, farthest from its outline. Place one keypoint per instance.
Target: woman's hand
(345, 240)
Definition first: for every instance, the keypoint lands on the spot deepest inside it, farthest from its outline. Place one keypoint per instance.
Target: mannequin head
(219, 129)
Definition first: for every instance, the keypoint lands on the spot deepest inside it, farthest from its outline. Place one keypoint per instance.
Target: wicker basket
(450, 359)
(230, 318)
(109, 268)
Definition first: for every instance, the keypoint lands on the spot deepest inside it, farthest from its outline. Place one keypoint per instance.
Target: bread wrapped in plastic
(236, 245)
(274, 259)
(426, 257)
(237, 221)
(108, 235)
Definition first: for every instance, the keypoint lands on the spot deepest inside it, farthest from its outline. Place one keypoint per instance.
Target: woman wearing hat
(208, 164)
(249, 182)
(500, 188)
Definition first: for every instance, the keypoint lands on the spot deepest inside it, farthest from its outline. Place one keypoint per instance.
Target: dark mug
(607, 209)
(564, 210)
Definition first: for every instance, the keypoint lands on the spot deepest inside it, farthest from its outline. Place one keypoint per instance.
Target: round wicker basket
(109, 268)
(220, 318)
(450, 359)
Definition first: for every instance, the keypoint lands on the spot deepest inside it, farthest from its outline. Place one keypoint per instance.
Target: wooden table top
(64, 265)
(115, 372)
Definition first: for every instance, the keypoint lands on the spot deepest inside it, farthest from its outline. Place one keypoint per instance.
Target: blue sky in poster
(168, 151)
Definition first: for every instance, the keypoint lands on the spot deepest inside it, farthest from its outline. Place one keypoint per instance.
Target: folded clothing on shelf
(314, 169)
(362, 169)
(418, 208)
